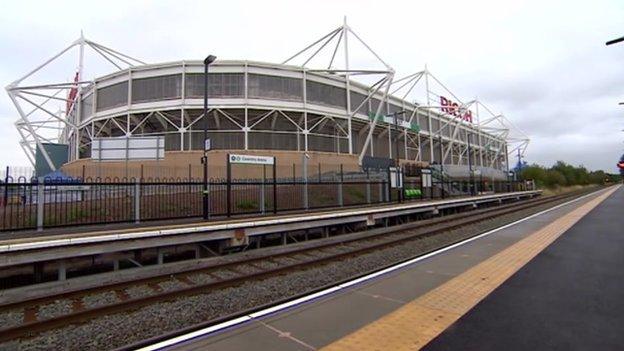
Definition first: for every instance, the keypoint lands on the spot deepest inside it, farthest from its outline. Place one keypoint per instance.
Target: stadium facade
(268, 108)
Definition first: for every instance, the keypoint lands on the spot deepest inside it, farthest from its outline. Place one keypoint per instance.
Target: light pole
(207, 61)
(442, 167)
(472, 188)
(396, 150)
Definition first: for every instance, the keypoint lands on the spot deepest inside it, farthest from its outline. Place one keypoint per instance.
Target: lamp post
(396, 149)
(207, 61)
(472, 187)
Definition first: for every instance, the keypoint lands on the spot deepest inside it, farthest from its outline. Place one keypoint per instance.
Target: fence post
(319, 172)
(5, 200)
(389, 187)
(137, 201)
(228, 187)
(274, 185)
(262, 209)
(368, 187)
(340, 198)
(40, 203)
(443, 183)
(382, 186)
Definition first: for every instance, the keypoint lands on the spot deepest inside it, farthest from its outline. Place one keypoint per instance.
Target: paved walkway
(570, 297)
(409, 308)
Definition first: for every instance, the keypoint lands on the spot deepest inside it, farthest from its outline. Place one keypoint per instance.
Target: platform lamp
(207, 61)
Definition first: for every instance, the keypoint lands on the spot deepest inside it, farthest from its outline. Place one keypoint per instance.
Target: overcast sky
(541, 63)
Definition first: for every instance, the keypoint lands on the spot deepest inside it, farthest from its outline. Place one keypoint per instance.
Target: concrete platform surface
(570, 297)
(338, 321)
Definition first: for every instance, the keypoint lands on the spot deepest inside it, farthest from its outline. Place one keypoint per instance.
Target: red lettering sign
(452, 108)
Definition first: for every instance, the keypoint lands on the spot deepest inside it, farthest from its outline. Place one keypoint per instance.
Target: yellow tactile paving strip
(415, 324)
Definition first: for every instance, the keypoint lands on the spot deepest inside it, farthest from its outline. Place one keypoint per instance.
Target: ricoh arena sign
(452, 108)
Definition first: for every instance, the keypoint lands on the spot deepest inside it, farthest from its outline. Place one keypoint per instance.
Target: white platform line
(308, 298)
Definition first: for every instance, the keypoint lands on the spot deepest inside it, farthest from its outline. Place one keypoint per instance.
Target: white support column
(390, 141)
(183, 96)
(78, 99)
(305, 111)
(481, 146)
(419, 156)
(405, 143)
(429, 118)
(388, 82)
(129, 103)
(181, 129)
(345, 34)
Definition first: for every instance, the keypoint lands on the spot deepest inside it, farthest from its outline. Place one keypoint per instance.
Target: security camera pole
(207, 61)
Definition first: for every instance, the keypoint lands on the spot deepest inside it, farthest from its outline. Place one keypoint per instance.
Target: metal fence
(49, 203)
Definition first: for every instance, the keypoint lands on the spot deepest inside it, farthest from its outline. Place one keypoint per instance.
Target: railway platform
(549, 281)
(24, 248)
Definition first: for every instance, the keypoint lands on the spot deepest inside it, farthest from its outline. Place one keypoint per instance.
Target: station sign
(452, 108)
(252, 159)
(396, 178)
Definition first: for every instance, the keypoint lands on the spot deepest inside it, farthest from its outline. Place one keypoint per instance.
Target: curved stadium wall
(259, 106)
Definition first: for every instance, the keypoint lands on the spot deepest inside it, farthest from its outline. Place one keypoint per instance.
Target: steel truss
(39, 121)
(493, 137)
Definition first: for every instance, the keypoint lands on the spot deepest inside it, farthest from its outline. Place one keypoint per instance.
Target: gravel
(139, 291)
(11, 317)
(124, 328)
(248, 269)
(170, 285)
(224, 274)
(58, 308)
(201, 278)
(100, 299)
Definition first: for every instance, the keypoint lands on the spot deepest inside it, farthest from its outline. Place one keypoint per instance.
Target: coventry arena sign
(252, 159)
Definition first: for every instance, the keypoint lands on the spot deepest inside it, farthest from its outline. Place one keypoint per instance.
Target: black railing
(54, 203)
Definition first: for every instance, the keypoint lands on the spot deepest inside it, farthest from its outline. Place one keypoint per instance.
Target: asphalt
(570, 297)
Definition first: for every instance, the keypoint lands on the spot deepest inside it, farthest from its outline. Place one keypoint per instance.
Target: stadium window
(356, 100)
(219, 85)
(324, 94)
(157, 88)
(112, 96)
(274, 87)
(87, 107)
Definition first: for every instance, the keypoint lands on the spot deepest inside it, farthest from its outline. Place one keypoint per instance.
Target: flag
(71, 97)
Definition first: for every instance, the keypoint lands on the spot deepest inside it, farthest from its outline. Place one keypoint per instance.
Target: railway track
(29, 317)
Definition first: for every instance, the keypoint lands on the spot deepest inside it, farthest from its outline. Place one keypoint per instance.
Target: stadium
(332, 113)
